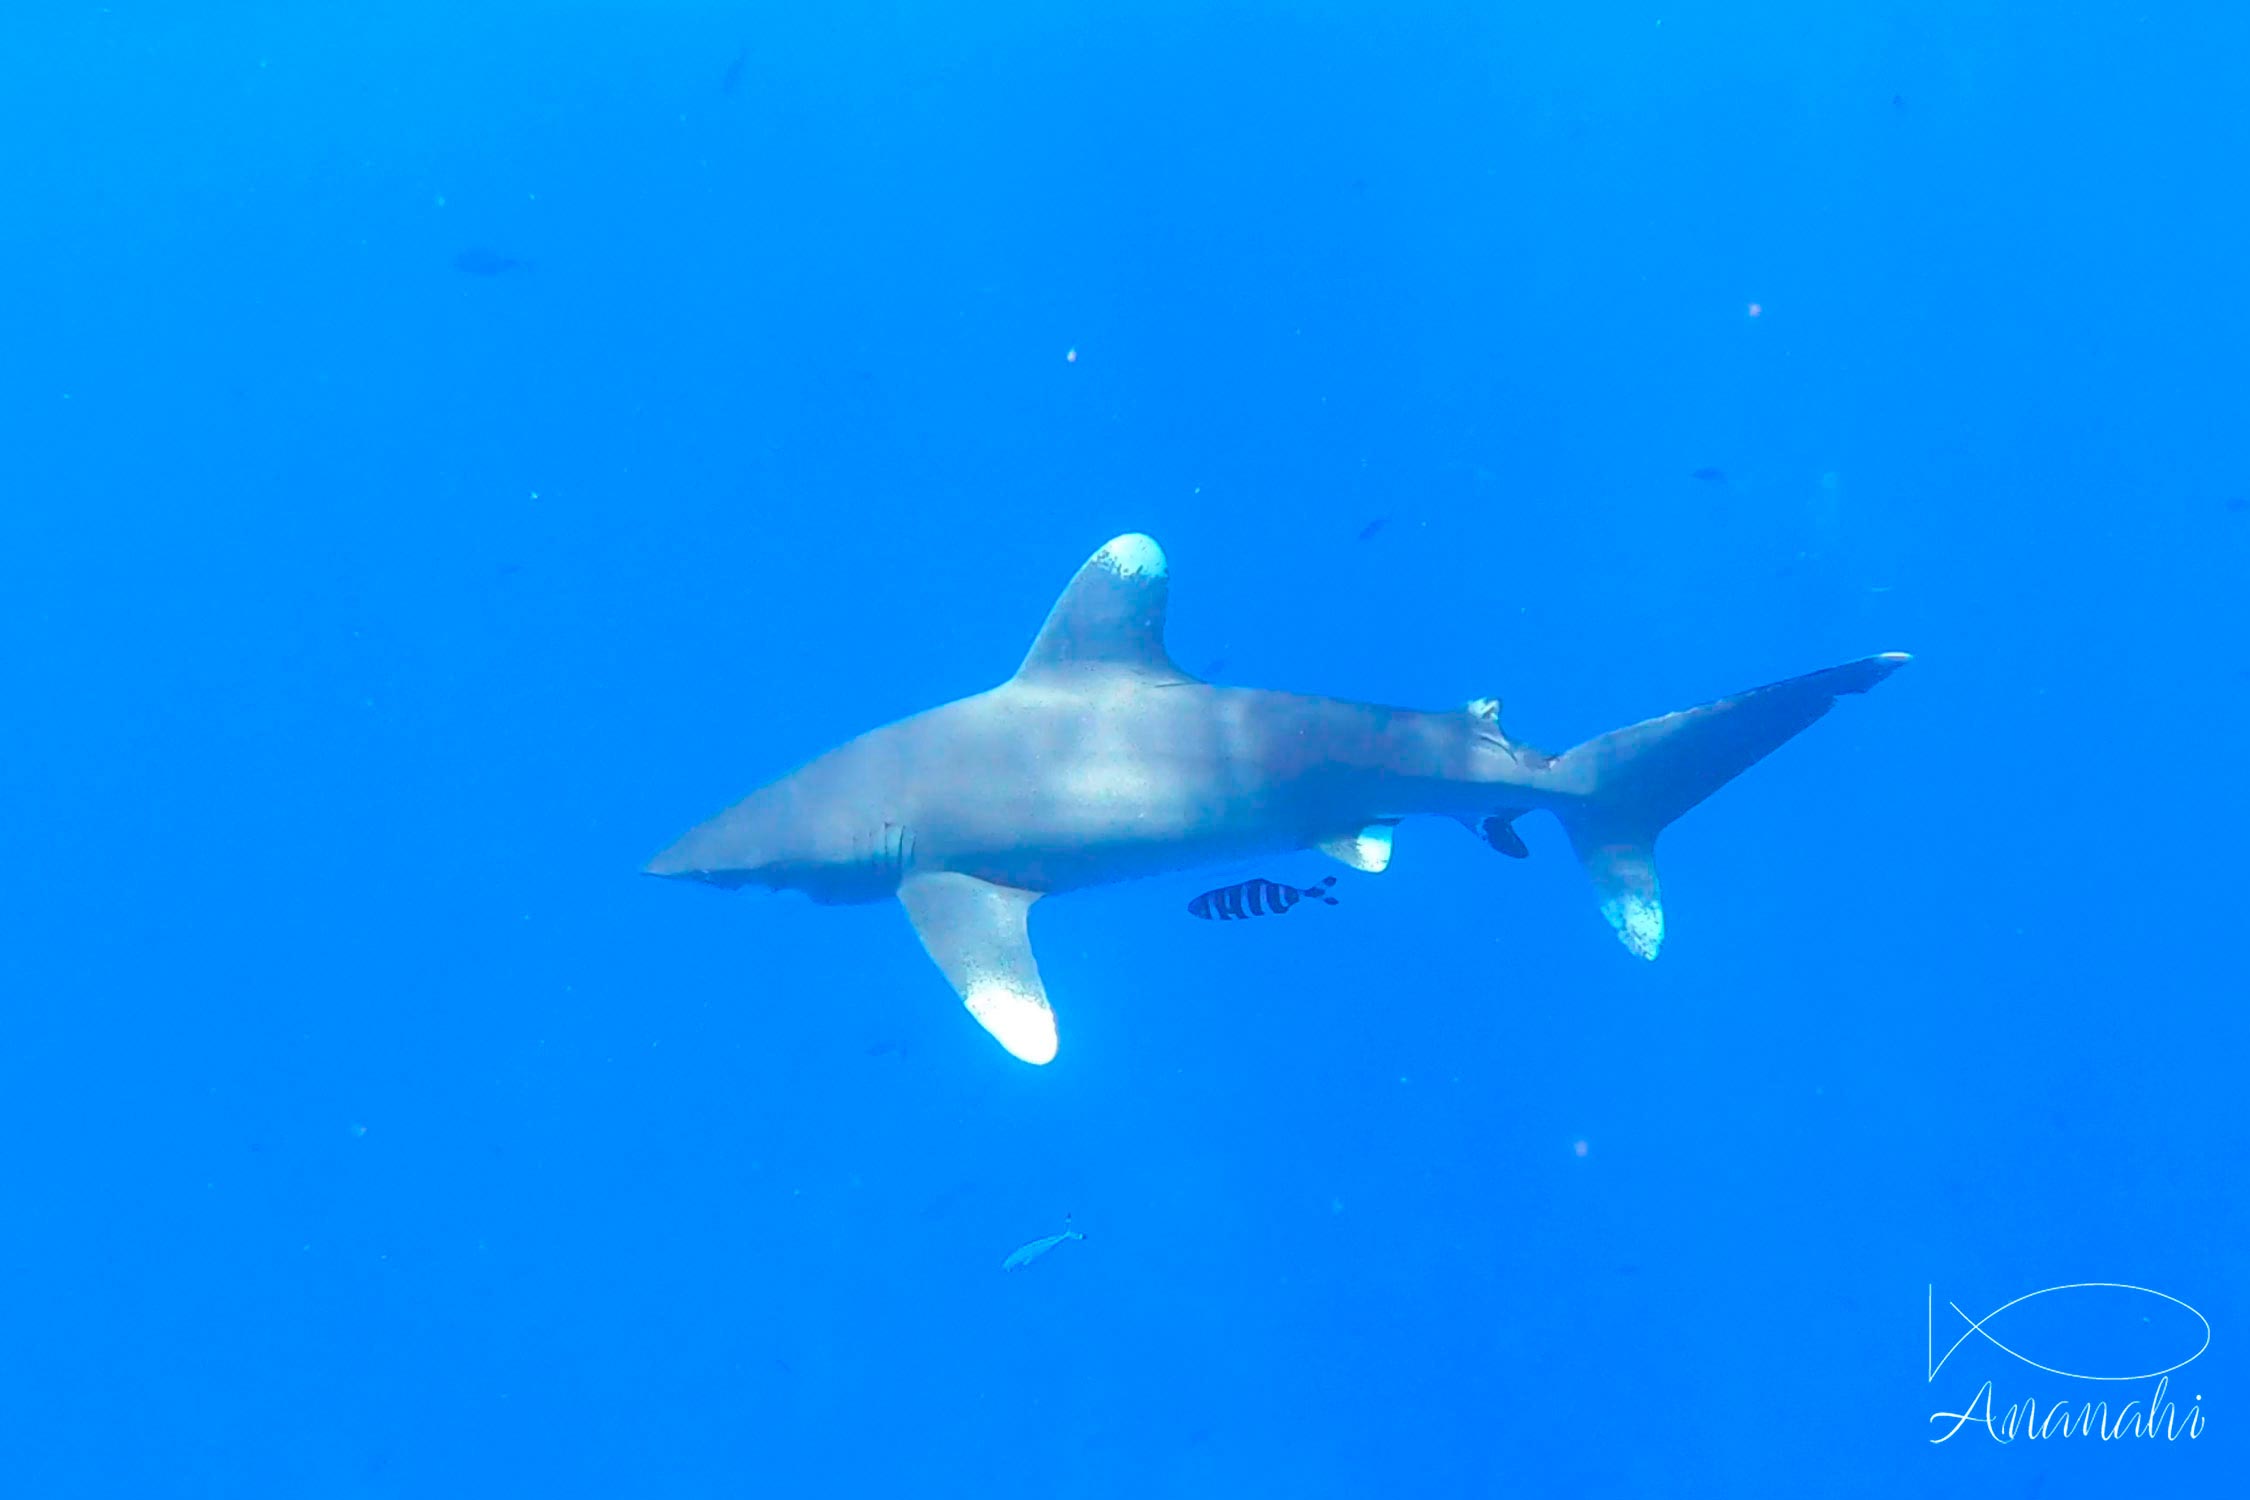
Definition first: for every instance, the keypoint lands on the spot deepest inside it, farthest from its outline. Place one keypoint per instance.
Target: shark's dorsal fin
(980, 937)
(1112, 615)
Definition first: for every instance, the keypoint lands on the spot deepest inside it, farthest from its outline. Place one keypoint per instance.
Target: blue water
(373, 1129)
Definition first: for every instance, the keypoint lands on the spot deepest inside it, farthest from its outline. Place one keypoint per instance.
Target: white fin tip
(1018, 1022)
(1639, 923)
(1373, 846)
(1135, 556)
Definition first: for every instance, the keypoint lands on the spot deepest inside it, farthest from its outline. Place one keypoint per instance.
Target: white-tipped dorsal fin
(980, 936)
(1368, 850)
(1112, 615)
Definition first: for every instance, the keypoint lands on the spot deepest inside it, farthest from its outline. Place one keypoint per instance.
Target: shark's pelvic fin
(979, 935)
(1368, 850)
(1634, 781)
(1111, 615)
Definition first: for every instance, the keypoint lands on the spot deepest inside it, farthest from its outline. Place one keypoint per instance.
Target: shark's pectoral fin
(980, 937)
(1368, 850)
(1111, 615)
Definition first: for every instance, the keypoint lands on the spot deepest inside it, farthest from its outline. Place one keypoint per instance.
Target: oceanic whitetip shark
(1100, 760)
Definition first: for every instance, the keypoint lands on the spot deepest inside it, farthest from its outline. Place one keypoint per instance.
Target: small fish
(481, 262)
(1367, 532)
(1255, 898)
(1024, 1255)
(1710, 476)
(733, 78)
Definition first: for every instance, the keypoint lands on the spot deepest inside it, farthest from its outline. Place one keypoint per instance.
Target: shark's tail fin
(1634, 781)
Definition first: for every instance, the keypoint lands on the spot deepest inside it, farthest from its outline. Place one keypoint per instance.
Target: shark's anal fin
(1111, 615)
(979, 935)
(1499, 830)
(1368, 850)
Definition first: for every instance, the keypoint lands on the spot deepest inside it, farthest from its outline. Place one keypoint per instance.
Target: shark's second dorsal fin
(1112, 615)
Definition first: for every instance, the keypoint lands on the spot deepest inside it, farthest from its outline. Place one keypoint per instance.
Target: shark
(1101, 760)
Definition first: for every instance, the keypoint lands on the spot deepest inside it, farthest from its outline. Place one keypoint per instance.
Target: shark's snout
(711, 853)
(671, 865)
(667, 867)
(691, 858)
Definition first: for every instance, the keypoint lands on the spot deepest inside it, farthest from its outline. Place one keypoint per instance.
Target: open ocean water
(447, 451)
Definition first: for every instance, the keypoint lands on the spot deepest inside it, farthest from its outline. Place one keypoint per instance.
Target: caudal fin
(1634, 781)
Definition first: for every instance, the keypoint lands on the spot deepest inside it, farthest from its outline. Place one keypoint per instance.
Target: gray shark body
(1100, 761)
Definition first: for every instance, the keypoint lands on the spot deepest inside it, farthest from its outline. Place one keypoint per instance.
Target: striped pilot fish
(1256, 898)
